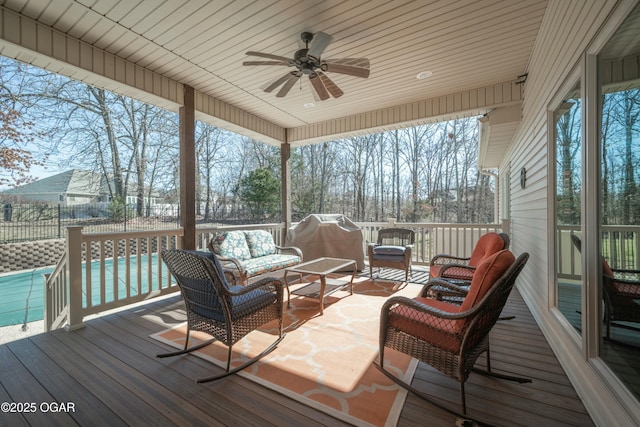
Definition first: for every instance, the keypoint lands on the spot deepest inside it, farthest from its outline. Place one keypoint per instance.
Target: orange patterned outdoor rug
(325, 361)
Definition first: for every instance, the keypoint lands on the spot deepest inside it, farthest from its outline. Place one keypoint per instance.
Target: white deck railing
(104, 271)
(56, 304)
(620, 248)
(432, 239)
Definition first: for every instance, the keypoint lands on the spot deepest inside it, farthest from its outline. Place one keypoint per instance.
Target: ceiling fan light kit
(308, 62)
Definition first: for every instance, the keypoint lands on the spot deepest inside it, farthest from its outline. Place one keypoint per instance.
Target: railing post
(506, 226)
(74, 262)
(48, 303)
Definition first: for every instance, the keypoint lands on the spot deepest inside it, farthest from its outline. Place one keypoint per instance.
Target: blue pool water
(22, 293)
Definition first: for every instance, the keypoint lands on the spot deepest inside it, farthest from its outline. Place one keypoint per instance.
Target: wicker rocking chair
(228, 313)
(450, 337)
(460, 268)
(621, 294)
(392, 250)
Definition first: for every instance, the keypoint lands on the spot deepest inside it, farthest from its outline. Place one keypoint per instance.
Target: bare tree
(210, 157)
(568, 143)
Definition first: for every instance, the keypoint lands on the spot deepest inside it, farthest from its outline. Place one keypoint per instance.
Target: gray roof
(75, 181)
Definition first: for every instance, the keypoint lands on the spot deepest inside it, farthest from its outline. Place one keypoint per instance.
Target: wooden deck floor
(109, 374)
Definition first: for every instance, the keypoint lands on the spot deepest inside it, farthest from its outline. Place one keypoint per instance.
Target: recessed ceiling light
(423, 75)
(309, 105)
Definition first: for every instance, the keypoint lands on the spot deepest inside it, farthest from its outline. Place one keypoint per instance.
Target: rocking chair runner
(446, 336)
(228, 313)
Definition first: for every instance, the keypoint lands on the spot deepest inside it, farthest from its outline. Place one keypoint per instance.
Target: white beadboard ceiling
(466, 44)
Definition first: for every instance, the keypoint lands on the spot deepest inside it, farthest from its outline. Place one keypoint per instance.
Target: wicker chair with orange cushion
(621, 294)
(460, 268)
(446, 336)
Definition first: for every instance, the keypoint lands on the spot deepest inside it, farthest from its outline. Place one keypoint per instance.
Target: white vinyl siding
(567, 30)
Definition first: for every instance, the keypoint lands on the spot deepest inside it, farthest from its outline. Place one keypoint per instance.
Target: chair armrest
(448, 259)
(293, 250)
(621, 270)
(235, 261)
(268, 284)
(231, 278)
(437, 285)
(233, 270)
(626, 275)
(370, 247)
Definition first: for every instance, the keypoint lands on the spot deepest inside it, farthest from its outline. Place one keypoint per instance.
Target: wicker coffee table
(321, 267)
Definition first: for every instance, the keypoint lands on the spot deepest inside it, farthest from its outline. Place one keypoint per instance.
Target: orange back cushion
(486, 275)
(606, 270)
(487, 245)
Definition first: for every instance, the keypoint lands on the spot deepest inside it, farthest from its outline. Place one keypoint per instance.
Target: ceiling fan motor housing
(306, 37)
(304, 63)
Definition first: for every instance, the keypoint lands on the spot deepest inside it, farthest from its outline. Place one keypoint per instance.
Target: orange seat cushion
(458, 273)
(443, 333)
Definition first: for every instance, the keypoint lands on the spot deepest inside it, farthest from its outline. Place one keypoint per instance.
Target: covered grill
(328, 235)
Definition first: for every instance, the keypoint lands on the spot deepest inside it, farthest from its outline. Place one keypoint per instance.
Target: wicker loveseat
(249, 253)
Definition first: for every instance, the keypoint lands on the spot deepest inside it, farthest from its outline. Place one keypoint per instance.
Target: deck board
(109, 370)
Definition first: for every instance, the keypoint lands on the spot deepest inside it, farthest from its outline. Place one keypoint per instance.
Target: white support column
(285, 172)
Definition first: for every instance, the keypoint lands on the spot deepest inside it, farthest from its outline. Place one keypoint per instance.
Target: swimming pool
(22, 296)
(22, 293)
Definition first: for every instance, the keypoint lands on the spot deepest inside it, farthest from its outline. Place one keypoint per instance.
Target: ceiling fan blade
(293, 78)
(319, 44)
(264, 63)
(331, 87)
(278, 82)
(318, 86)
(270, 56)
(354, 62)
(332, 67)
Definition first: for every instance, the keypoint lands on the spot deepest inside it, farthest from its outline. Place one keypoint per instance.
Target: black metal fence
(24, 222)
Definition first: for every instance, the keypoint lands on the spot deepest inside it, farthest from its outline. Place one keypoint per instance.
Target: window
(567, 134)
(619, 199)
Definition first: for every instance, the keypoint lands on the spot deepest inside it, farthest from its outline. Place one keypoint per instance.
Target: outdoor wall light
(523, 178)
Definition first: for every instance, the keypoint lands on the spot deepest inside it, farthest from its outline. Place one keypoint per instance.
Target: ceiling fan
(307, 61)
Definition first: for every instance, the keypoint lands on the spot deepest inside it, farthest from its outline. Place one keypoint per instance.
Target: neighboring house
(73, 187)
